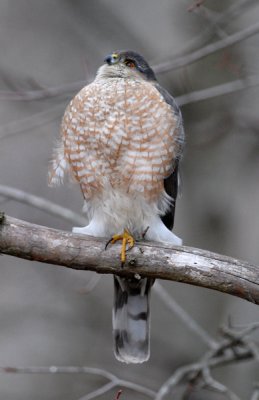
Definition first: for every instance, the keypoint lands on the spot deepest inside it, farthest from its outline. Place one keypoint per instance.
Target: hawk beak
(112, 59)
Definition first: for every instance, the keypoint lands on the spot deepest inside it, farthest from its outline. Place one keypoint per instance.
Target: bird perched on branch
(121, 140)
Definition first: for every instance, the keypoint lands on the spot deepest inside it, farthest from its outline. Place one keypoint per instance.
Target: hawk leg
(127, 243)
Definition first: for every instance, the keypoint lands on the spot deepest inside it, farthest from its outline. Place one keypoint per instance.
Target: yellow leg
(127, 243)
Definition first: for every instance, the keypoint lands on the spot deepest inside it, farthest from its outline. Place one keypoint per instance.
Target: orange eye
(130, 64)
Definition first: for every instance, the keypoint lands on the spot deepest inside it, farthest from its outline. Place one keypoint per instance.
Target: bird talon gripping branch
(127, 240)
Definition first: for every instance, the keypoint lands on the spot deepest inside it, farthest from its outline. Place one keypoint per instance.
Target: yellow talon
(127, 239)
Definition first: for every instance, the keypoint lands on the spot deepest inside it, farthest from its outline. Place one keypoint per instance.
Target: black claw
(144, 233)
(107, 243)
(129, 248)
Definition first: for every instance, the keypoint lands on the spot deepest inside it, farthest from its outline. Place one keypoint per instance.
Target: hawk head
(126, 64)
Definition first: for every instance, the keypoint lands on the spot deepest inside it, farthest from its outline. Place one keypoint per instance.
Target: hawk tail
(131, 319)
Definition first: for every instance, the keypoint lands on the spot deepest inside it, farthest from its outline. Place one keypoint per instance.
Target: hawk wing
(171, 188)
(171, 183)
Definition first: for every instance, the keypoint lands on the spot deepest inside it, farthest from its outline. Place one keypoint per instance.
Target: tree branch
(222, 19)
(41, 204)
(113, 379)
(206, 50)
(235, 347)
(64, 213)
(155, 260)
(187, 319)
(219, 90)
(177, 62)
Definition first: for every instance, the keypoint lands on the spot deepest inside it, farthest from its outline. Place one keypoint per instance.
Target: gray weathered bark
(182, 264)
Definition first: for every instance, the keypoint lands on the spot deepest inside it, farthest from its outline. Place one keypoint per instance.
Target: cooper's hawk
(121, 140)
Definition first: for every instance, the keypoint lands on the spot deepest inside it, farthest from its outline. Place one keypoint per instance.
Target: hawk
(121, 140)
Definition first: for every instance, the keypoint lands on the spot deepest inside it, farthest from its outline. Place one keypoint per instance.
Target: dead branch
(155, 260)
(234, 347)
(163, 67)
(221, 20)
(207, 50)
(189, 322)
(113, 380)
(41, 204)
(32, 122)
(36, 94)
(64, 213)
(219, 90)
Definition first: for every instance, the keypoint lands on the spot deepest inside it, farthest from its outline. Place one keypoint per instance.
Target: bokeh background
(53, 316)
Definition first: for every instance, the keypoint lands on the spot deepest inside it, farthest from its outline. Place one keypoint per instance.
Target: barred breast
(121, 133)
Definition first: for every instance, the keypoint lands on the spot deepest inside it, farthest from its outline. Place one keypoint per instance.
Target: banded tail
(131, 319)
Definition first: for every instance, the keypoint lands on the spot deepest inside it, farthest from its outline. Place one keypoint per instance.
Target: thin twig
(188, 98)
(255, 394)
(138, 388)
(58, 370)
(213, 384)
(184, 316)
(114, 380)
(219, 90)
(31, 122)
(41, 204)
(210, 18)
(99, 392)
(158, 68)
(29, 95)
(183, 372)
(239, 331)
(222, 19)
(207, 50)
(90, 285)
(231, 350)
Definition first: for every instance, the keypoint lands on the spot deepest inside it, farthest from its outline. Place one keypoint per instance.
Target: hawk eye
(130, 63)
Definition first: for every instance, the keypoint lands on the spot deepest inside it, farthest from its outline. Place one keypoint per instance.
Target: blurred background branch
(41, 204)
(235, 346)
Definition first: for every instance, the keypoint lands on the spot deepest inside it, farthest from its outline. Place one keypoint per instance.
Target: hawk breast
(121, 133)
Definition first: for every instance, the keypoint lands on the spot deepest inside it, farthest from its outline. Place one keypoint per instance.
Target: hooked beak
(112, 59)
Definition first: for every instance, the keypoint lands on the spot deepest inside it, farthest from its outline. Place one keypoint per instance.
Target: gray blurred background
(45, 319)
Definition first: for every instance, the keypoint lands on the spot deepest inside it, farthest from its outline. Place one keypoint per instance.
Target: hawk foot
(127, 243)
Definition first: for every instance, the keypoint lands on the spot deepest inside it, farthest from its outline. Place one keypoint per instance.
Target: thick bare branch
(155, 260)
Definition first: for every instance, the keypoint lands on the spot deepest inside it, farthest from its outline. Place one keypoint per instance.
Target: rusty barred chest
(120, 132)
